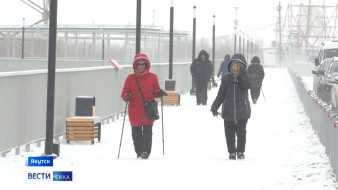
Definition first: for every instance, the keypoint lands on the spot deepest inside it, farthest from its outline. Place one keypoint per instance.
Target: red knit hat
(141, 57)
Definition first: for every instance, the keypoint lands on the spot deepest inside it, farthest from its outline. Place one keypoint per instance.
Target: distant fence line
(23, 97)
(11, 65)
(323, 120)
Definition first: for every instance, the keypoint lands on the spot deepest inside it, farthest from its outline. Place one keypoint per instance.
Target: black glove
(162, 93)
(128, 97)
(242, 69)
(214, 112)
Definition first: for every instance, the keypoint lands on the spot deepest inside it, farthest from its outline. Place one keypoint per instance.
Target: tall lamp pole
(243, 43)
(235, 30)
(51, 148)
(192, 91)
(247, 46)
(171, 41)
(23, 39)
(214, 84)
(240, 42)
(279, 8)
(138, 27)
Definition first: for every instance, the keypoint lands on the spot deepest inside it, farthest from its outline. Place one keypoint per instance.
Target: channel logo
(40, 161)
(49, 176)
(39, 176)
(62, 176)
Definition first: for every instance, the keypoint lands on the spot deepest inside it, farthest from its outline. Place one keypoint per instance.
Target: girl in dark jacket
(256, 74)
(233, 94)
(141, 125)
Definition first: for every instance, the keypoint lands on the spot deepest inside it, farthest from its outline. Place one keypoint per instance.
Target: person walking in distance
(201, 71)
(223, 69)
(141, 126)
(236, 110)
(256, 75)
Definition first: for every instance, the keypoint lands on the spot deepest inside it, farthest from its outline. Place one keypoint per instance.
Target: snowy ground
(282, 151)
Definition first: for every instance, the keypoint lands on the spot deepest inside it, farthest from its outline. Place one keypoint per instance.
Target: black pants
(201, 92)
(142, 137)
(232, 130)
(255, 92)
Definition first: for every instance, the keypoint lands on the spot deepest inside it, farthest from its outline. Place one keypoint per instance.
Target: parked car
(323, 78)
(318, 76)
(334, 94)
(329, 49)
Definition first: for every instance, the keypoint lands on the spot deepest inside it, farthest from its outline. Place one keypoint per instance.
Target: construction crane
(43, 10)
(307, 25)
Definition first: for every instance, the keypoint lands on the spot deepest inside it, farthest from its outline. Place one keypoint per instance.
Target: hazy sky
(252, 14)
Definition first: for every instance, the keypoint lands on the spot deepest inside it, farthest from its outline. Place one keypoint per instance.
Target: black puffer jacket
(201, 71)
(256, 74)
(233, 94)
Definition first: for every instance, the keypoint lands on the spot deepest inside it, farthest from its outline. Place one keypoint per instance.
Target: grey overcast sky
(252, 14)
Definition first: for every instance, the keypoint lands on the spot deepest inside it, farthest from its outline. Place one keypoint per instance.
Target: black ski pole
(263, 94)
(162, 124)
(124, 119)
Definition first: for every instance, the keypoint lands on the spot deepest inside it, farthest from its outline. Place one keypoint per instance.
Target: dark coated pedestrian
(141, 126)
(256, 75)
(201, 71)
(223, 69)
(236, 110)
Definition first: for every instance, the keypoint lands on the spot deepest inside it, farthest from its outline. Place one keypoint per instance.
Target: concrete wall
(23, 97)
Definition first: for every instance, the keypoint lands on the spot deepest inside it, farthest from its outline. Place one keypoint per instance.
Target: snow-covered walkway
(282, 151)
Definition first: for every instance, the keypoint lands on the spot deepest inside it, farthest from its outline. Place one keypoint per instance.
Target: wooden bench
(172, 98)
(83, 128)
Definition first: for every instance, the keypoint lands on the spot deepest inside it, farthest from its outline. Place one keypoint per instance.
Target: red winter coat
(150, 88)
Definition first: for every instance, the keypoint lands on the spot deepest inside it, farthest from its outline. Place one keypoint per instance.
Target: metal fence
(324, 121)
(23, 97)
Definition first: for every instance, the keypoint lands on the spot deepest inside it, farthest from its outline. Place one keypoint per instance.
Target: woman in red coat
(141, 125)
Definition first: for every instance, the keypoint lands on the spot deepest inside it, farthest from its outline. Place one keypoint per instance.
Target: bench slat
(80, 135)
(71, 124)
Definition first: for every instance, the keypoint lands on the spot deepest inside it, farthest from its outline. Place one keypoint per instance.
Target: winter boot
(144, 155)
(232, 156)
(240, 155)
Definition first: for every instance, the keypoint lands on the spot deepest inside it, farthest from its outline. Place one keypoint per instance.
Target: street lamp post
(171, 36)
(170, 83)
(240, 42)
(235, 29)
(138, 27)
(243, 43)
(23, 39)
(50, 147)
(279, 8)
(214, 84)
(192, 91)
(247, 46)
